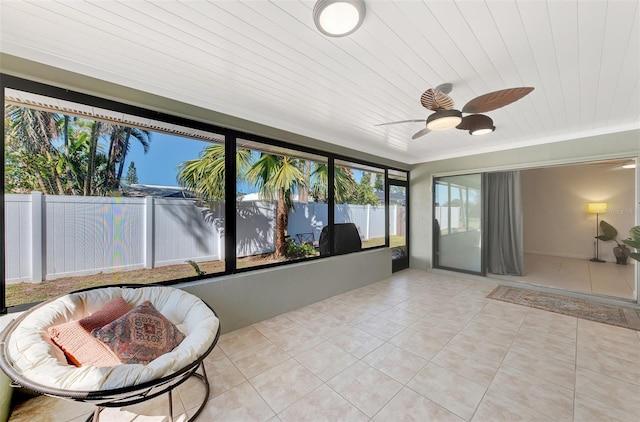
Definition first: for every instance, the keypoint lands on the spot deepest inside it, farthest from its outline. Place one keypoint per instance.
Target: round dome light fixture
(479, 124)
(444, 119)
(338, 18)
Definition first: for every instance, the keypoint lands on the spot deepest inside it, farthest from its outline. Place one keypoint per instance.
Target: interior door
(457, 223)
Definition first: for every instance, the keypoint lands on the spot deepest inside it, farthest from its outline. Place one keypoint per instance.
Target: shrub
(295, 250)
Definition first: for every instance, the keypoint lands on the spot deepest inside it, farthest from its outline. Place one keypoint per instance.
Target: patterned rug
(621, 316)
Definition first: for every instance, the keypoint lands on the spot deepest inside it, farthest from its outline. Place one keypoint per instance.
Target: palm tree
(343, 183)
(97, 130)
(204, 176)
(119, 145)
(303, 192)
(277, 177)
(32, 132)
(74, 158)
(72, 162)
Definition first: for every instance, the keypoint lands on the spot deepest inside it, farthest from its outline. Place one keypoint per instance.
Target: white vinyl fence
(312, 217)
(48, 237)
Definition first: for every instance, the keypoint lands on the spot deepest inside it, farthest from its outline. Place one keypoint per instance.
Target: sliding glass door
(457, 223)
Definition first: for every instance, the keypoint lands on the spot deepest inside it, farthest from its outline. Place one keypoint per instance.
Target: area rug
(621, 316)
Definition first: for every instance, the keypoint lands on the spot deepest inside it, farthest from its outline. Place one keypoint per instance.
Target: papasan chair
(120, 337)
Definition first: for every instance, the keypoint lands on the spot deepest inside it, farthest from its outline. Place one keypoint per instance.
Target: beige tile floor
(578, 275)
(418, 346)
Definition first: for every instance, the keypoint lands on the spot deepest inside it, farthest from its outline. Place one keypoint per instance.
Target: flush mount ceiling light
(446, 117)
(477, 124)
(629, 165)
(338, 18)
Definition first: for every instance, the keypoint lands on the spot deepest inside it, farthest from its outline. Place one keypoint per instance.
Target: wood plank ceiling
(264, 61)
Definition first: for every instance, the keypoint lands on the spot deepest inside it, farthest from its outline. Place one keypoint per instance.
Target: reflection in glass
(457, 222)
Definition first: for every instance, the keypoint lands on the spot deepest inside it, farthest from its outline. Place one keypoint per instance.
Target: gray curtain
(504, 223)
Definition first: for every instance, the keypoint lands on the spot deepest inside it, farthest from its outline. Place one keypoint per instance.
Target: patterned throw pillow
(140, 335)
(74, 337)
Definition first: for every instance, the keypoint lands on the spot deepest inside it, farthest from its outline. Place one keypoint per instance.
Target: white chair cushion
(31, 351)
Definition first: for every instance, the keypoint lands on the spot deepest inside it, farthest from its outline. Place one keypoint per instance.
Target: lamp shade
(337, 18)
(597, 207)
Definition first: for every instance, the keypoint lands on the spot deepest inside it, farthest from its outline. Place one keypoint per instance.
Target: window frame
(230, 141)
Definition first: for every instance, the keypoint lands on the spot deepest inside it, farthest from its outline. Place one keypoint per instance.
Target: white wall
(555, 200)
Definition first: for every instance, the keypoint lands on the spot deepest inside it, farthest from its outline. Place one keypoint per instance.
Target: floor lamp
(596, 208)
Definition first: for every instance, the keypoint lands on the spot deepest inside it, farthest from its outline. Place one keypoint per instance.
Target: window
(94, 196)
(359, 199)
(398, 218)
(280, 204)
(98, 192)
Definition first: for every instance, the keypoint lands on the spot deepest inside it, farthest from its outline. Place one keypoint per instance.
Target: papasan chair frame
(117, 397)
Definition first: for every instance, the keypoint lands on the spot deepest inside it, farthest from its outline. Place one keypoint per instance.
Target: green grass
(394, 242)
(28, 292)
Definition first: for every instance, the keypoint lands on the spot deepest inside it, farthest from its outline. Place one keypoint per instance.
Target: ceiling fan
(446, 117)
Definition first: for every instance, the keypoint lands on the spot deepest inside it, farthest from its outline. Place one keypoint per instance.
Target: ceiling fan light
(482, 131)
(338, 18)
(444, 119)
(479, 124)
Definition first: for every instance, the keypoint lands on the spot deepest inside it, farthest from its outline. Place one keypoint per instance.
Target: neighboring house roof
(249, 197)
(140, 190)
(394, 198)
(255, 196)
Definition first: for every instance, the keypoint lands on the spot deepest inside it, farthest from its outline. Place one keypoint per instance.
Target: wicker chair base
(155, 392)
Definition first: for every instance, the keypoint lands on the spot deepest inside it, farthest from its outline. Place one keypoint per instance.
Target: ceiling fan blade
(420, 133)
(401, 121)
(495, 100)
(434, 100)
(427, 99)
(444, 88)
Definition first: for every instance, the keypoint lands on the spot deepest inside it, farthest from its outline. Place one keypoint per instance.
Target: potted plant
(634, 242)
(620, 251)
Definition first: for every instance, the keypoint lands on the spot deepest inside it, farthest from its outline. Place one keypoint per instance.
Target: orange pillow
(76, 341)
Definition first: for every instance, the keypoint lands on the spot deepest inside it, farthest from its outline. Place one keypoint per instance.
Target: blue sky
(159, 166)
